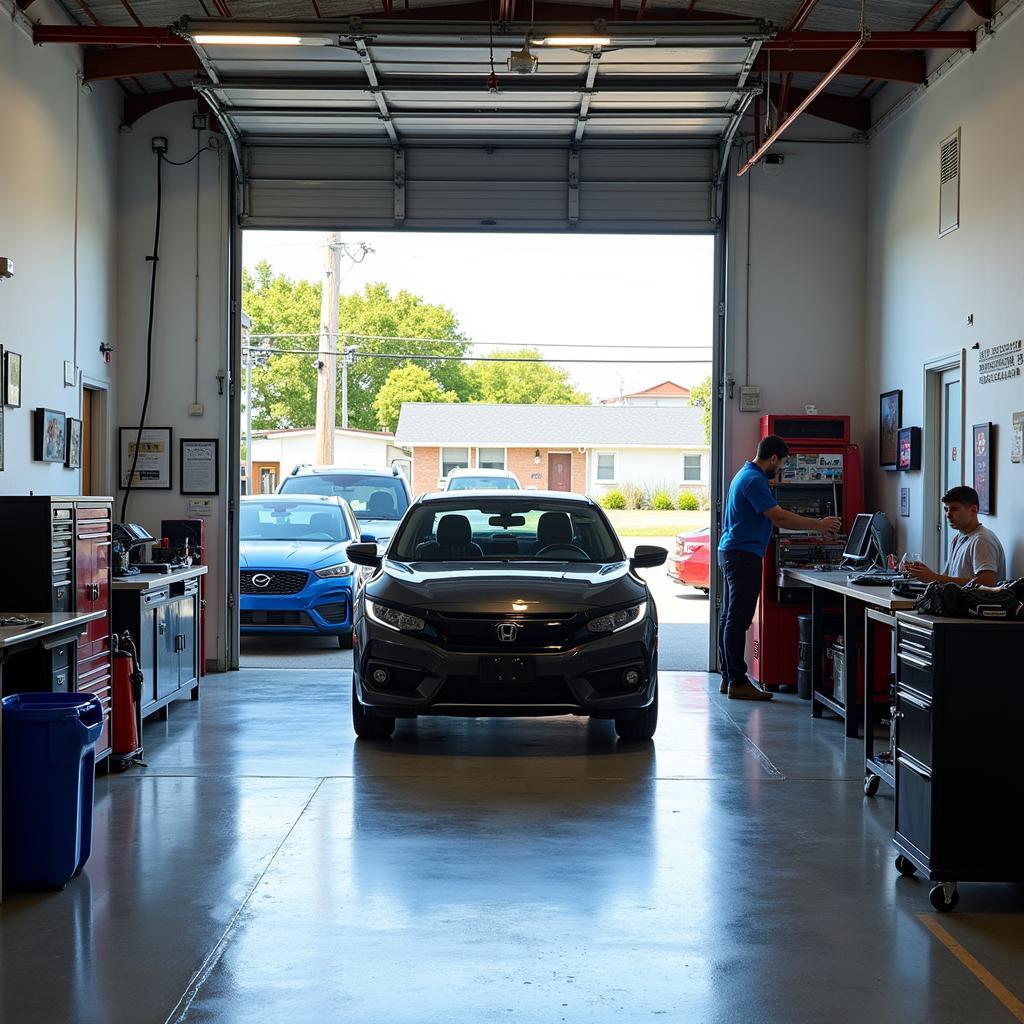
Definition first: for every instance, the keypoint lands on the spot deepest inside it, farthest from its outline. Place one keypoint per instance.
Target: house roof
(584, 426)
(382, 435)
(665, 388)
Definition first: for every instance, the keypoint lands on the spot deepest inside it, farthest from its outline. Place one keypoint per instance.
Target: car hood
(272, 554)
(381, 529)
(503, 588)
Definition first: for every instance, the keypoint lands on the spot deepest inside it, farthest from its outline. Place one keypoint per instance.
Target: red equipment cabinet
(822, 477)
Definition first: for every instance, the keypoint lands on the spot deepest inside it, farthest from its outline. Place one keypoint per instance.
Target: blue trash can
(49, 773)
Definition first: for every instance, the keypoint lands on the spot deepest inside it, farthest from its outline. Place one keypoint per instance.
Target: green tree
(284, 383)
(522, 383)
(700, 396)
(408, 383)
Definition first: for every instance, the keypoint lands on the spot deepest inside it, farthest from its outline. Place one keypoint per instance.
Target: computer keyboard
(875, 579)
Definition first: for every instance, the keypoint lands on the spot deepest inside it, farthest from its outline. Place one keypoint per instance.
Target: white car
(481, 480)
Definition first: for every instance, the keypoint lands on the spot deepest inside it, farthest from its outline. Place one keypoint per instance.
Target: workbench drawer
(914, 672)
(914, 805)
(914, 727)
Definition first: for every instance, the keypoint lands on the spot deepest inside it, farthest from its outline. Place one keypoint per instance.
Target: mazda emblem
(261, 580)
(507, 632)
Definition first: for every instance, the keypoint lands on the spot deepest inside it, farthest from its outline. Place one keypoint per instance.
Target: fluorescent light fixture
(572, 41)
(231, 39)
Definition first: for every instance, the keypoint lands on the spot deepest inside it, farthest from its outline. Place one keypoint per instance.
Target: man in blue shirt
(751, 512)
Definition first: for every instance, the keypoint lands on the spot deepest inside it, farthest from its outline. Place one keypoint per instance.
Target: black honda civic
(512, 604)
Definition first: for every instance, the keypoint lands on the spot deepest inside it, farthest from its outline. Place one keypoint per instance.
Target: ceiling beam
(107, 35)
(892, 65)
(844, 41)
(103, 65)
(850, 111)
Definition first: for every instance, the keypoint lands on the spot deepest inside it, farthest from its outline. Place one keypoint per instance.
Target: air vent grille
(949, 183)
(950, 159)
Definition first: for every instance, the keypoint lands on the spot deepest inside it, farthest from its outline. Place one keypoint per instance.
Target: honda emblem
(507, 632)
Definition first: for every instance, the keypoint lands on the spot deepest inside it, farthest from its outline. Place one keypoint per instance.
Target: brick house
(588, 449)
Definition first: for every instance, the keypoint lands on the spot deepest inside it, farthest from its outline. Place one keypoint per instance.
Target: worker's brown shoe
(746, 690)
(724, 688)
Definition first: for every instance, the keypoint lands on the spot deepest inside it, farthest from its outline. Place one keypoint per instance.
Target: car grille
(280, 582)
(469, 690)
(480, 632)
(333, 613)
(271, 618)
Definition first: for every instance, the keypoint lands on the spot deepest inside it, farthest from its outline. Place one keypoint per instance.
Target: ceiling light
(522, 62)
(572, 41)
(230, 39)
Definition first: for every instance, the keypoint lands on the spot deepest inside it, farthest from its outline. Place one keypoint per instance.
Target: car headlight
(333, 571)
(393, 618)
(615, 621)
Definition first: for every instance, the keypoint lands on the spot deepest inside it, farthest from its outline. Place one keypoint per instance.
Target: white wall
(350, 449)
(644, 466)
(921, 288)
(42, 114)
(175, 368)
(806, 287)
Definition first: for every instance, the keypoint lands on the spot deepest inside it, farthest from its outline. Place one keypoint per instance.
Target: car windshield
(370, 496)
(505, 529)
(303, 521)
(482, 483)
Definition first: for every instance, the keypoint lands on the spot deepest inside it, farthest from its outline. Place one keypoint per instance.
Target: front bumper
(425, 679)
(321, 608)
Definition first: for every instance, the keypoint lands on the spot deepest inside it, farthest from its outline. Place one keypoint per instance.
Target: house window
(454, 458)
(606, 466)
(490, 458)
(691, 469)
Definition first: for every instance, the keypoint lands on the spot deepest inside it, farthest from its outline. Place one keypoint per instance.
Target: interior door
(951, 418)
(559, 471)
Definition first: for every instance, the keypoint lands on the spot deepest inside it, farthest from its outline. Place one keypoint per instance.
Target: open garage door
(613, 127)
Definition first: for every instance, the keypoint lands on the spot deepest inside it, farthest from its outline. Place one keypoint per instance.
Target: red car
(691, 563)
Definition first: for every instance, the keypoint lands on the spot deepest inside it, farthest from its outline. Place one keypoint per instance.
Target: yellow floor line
(982, 973)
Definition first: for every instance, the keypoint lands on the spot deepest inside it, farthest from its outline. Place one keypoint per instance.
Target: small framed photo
(910, 449)
(74, 452)
(12, 378)
(890, 419)
(199, 465)
(984, 464)
(152, 468)
(49, 436)
(905, 502)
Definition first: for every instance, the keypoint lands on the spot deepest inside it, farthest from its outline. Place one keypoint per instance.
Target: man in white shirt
(976, 555)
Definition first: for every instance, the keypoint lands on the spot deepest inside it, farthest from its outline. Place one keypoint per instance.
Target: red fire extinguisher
(127, 695)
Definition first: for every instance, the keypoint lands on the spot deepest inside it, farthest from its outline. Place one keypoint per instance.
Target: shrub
(688, 502)
(634, 495)
(662, 501)
(614, 500)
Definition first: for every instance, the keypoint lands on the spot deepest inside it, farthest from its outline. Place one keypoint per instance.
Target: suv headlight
(615, 621)
(332, 571)
(393, 618)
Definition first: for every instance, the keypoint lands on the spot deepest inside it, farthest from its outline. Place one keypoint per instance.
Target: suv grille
(538, 632)
(278, 582)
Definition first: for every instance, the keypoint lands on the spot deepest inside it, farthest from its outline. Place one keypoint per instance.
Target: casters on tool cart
(944, 897)
(904, 866)
(871, 784)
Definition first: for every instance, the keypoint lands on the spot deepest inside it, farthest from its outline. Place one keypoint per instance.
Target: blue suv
(295, 574)
(378, 497)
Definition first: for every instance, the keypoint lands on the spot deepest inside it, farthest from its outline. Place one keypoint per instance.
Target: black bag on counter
(971, 601)
(942, 599)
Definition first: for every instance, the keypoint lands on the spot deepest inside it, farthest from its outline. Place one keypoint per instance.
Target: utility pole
(327, 358)
(348, 358)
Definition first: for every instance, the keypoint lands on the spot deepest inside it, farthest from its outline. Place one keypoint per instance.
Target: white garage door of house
(389, 124)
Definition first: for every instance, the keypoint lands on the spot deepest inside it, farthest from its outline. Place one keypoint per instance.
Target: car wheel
(345, 640)
(643, 726)
(369, 727)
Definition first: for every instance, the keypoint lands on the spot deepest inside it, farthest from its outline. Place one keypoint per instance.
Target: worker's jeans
(741, 585)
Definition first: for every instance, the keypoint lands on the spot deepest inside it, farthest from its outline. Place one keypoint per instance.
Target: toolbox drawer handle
(915, 661)
(910, 766)
(923, 705)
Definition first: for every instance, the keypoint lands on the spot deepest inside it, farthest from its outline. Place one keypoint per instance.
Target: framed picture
(74, 452)
(910, 449)
(199, 465)
(12, 378)
(153, 466)
(905, 502)
(982, 440)
(49, 436)
(890, 418)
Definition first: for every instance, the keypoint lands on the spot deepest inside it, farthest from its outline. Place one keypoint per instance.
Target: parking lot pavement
(683, 645)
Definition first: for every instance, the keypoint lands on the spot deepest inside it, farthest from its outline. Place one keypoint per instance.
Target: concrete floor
(267, 869)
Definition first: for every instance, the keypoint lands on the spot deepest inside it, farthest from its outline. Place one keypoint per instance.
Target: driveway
(683, 646)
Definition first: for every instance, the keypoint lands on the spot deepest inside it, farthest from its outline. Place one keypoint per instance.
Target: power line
(478, 359)
(489, 344)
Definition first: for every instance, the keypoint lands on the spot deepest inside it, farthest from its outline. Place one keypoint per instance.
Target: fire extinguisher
(127, 695)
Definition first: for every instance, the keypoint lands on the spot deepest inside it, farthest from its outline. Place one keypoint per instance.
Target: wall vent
(949, 184)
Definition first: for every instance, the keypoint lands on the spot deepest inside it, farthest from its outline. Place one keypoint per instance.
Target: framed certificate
(153, 466)
(199, 465)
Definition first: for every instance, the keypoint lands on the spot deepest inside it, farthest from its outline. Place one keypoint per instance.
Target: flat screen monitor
(858, 544)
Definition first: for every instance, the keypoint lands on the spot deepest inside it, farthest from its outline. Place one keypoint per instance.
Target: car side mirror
(648, 556)
(367, 538)
(364, 554)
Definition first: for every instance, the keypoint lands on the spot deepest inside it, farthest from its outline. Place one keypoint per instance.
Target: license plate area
(507, 671)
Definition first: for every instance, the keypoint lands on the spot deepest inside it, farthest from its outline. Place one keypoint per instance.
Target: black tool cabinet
(958, 726)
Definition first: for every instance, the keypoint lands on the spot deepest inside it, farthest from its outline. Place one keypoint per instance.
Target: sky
(641, 303)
